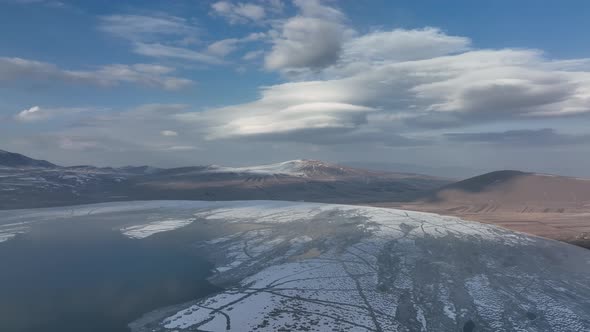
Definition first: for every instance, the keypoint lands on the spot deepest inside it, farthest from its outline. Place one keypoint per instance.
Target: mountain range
(29, 183)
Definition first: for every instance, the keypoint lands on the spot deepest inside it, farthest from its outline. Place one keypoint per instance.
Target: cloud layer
(335, 87)
(524, 137)
(238, 12)
(18, 69)
(142, 27)
(408, 83)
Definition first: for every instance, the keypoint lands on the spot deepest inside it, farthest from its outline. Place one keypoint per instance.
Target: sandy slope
(551, 206)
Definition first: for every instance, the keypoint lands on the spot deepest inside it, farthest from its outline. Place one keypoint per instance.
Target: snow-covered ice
(154, 227)
(317, 267)
(288, 266)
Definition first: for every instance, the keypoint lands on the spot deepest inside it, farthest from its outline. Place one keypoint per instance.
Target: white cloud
(390, 86)
(517, 138)
(156, 110)
(163, 36)
(170, 37)
(77, 143)
(48, 3)
(306, 42)
(223, 47)
(158, 50)
(274, 6)
(493, 84)
(239, 12)
(148, 75)
(403, 45)
(254, 36)
(168, 133)
(32, 114)
(407, 83)
(124, 130)
(253, 55)
(313, 39)
(306, 116)
(142, 28)
(180, 148)
(317, 9)
(17, 69)
(37, 113)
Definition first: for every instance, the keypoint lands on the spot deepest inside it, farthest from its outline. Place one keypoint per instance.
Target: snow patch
(143, 231)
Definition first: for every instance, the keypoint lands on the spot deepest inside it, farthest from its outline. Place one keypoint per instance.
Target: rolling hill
(11, 159)
(516, 191)
(552, 206)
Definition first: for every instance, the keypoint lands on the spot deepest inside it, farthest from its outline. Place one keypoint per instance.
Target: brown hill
(517, 192)
(552, 206)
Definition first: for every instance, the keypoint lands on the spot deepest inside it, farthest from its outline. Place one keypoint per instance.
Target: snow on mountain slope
(30, 186)
(286, 168)
(23, 187)
(319, 267)
(300, 167)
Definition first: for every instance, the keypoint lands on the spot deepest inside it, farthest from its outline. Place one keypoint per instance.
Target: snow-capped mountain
(299, 167)
(27, 182)
(34, 183)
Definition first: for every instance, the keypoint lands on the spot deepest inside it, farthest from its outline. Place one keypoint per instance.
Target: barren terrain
(551, 206)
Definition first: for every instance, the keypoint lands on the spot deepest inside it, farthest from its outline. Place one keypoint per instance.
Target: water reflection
(72, 276)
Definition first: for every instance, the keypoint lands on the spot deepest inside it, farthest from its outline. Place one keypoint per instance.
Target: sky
(500, 85)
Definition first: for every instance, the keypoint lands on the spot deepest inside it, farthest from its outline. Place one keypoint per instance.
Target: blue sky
(505, 84)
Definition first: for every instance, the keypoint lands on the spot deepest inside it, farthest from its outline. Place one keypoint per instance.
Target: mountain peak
(484, 181)
(11, 159)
